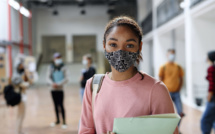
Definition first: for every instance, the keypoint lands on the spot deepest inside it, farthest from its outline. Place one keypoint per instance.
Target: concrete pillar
(188, 51)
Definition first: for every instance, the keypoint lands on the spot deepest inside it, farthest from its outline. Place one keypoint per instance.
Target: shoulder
(179, 66)
(211, 69)
(162, 66)
(64, 68)
(149, 81)
(92, 68)
(153, 82)
(159, 86)
(89, 82)
(9, 86)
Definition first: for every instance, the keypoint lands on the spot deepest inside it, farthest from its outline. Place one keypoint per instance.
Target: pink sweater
(129, 98)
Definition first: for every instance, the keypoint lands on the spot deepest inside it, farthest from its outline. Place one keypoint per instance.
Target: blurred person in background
(57, 78)
(172, 75)
(15, 91)
(21, 82)
(14, 94)
(87, 72)
(208, 118)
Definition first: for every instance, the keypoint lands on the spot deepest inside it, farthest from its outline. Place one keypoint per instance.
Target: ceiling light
(14, 4)
(182, 4)
(25, 12)
(43, 0)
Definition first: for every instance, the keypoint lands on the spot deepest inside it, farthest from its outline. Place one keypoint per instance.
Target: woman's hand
(54, 85)
(210, 95)
(109, 132)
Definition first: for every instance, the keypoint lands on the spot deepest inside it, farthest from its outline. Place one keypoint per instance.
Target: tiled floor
(40, 114)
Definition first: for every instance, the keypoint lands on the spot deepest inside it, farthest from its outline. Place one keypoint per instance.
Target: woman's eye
(130, 46)
(113, 45)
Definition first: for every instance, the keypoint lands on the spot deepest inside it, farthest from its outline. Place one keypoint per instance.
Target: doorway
(84, 44)
(52, 44)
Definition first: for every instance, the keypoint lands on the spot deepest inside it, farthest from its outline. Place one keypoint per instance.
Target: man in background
(172, 75)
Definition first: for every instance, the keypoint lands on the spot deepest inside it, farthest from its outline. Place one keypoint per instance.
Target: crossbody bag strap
(95, 88)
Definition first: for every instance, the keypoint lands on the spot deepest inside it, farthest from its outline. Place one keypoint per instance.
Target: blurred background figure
(14, 94)
(208, 118)
(25, 67)
(36, 29)
(172, 75)
(57, 78)
(87, 72)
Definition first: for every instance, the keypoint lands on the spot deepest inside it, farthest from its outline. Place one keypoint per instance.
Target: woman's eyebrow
(131, 40)
(112, 39)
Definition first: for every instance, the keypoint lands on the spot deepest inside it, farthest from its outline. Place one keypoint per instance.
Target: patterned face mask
(121, 60)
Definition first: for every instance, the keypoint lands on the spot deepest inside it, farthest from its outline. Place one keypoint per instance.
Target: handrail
(195, 2)
(39, 60)
(6, 43)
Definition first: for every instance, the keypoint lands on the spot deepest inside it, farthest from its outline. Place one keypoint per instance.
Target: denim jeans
(208, 117)
(177, 100)
(82, 93)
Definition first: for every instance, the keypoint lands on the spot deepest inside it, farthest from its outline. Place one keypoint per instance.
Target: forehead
(57, 57)
(121, 31)
(172, 51)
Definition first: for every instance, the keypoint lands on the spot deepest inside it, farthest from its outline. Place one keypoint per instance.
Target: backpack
(95, 88)
(12, 98)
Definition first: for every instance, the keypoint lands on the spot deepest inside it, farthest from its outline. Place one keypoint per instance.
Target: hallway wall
(3, 24)
(203, 31)
(69, 22)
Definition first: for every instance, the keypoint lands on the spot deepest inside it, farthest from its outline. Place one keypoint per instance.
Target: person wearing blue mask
(57, 78)
(172, 74)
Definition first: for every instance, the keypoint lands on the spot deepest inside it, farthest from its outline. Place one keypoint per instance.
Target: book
(151, 124)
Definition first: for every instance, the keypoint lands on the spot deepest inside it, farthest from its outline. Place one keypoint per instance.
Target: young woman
(57, 78)
(208, 117)
(125, 92)
(21, 82)
(87, 72)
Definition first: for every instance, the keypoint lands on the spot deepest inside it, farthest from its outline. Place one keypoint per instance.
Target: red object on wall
(9, 38)
(21, 43)
(30, 33)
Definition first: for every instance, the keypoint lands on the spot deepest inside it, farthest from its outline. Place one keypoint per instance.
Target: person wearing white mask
(57, 78)
(87, 72)
(172, 75)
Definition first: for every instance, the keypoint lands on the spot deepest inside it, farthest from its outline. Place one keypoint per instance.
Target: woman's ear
(104, 45)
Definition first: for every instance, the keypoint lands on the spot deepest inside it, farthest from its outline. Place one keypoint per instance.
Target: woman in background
(87, 72)
(57, 78)
(208, 117)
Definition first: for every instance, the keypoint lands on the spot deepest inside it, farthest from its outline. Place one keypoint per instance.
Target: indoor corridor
(40, 113)
(62, 43)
